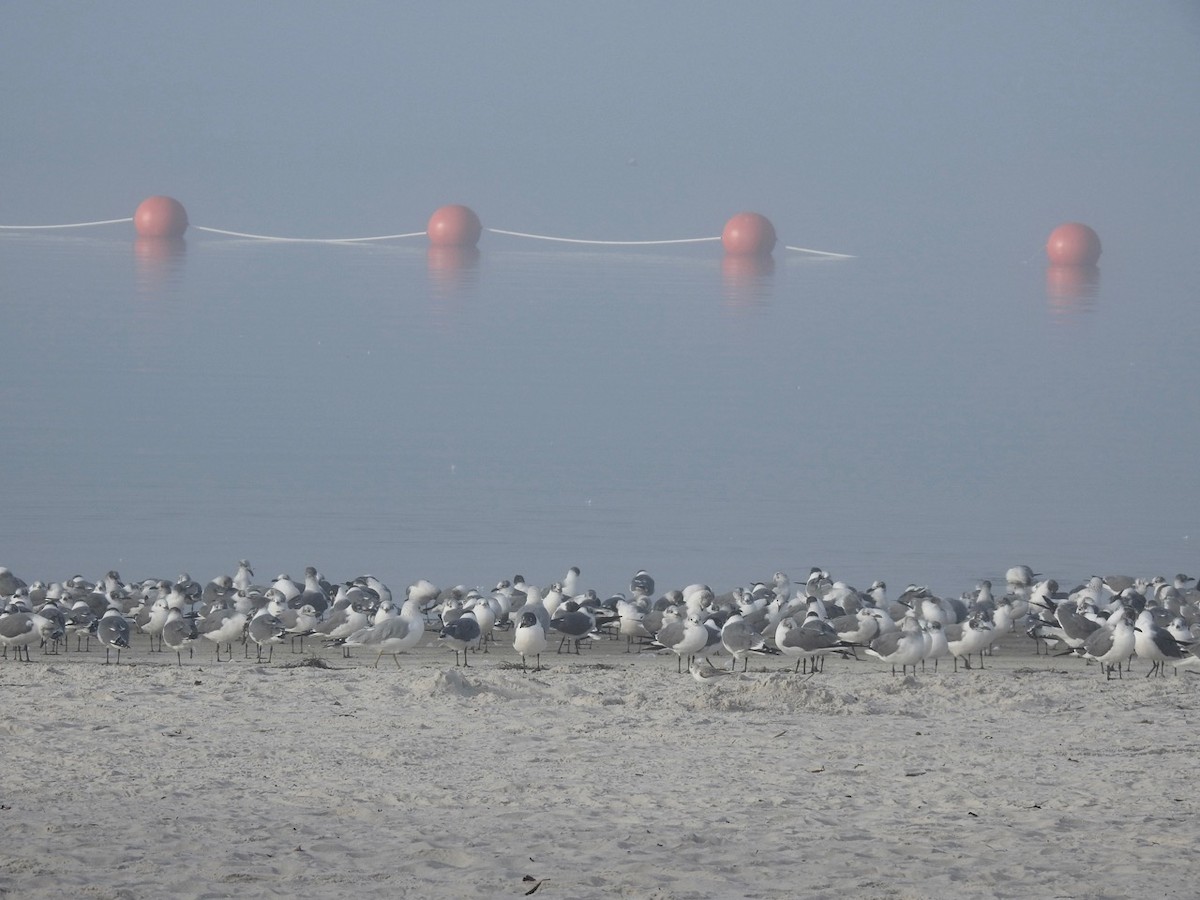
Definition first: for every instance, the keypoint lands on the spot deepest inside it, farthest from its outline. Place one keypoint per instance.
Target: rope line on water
(412, 234)
(820, 252)
(71, 225)
(293, 240)
(546, 237)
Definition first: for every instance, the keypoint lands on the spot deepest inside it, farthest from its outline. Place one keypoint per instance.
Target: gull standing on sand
(346, 617)
(740, 640)
(1074, 627)
(392, 634)
(80, 621)
(632, 623)
(20, 629)
(113, 631)
(684, 638)
(529, 639)
(178, 633)
(58, 623)
(936, 645)
(1154, 643)
(151, 620)
(804, 642)
(223, 626)
(485, 615)
(300, 623)
(1112, 644)
(860, 628)
(973, 636)
(266, 630)
(576, 624)
(461, 634)
(903, 648)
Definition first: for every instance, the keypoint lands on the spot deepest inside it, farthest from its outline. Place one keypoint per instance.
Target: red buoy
(159, 217)
(748, 234)
(1073, 244)
(453, 226)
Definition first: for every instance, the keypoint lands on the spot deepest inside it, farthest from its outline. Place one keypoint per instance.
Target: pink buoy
(160, 217)
(1073, 244)
(454, 226)
(748, 234)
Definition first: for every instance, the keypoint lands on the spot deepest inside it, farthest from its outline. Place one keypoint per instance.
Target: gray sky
(870, 127)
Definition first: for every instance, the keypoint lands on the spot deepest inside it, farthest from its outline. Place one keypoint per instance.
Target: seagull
(460, 634)
(972, 636)
(178, 633)
(570, 582)
(684, 638)
(641, 583)
(113, 631)
(805, 642)
(223, 626)
(81, 621)
(529, 639)
(1076, 627)
(632, 623)
(1112, 644)
(575, 623)
(424, 592)
(904, 647)
(485, 615)
(9, 583)
(217, 591)
(860, 628)
(286, 586)
(533, 603)
(1155, 643)
(346, 617)
(57, 614)
(393, 634)
(266, 630)
(740, 640)
(936, 645)
(20, 629)
(151, 621)
(706, 673)
(313, 594)
(241, 579)
(299, 623)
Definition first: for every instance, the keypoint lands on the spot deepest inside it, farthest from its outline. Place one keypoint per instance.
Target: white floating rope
(71, 225)
(295, 240)
(412, 234)
(820, 253)
(546, 237)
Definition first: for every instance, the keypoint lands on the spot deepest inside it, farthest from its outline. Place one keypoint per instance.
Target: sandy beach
(605, 775)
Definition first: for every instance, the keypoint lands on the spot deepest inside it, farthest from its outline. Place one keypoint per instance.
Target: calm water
(380, 409)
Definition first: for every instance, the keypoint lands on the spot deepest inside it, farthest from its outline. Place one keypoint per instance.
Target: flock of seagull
(1107, 620)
